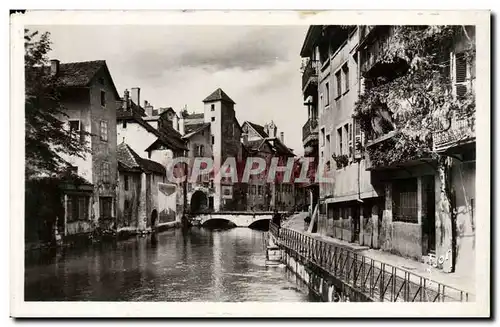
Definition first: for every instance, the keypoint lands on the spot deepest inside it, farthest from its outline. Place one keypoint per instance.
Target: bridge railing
(376, 279)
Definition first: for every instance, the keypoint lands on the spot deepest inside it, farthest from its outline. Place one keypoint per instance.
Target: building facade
(397, 207)
(90, 98)
(217, 133)
(152, 142)
(264, 195)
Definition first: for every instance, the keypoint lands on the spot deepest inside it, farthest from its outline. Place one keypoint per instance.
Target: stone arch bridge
(239, 219)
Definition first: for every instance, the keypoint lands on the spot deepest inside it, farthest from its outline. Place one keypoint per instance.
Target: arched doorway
(199, 201)
(154, 218)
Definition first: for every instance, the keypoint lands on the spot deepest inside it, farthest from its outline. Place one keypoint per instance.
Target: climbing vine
(417, 91)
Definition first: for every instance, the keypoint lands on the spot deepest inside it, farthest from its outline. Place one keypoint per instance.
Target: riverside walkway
(373, 274)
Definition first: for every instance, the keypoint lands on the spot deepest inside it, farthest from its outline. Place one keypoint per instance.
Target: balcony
(462, 131)
(310, 131)
(309, 75)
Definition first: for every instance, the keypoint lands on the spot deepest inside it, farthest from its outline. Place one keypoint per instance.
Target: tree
(47, 140)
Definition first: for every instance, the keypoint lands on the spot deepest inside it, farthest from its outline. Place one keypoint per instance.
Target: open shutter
(358, 140)
(461, 80)
(351, 148)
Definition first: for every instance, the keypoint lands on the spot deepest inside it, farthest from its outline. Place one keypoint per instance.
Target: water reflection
(177, 265)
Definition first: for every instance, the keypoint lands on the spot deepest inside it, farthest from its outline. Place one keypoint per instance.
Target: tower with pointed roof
(225, 138)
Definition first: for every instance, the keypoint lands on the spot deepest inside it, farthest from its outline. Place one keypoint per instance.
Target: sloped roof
(195, 129)
(129, 160)
(81, 74)
(131, 106)
(279, 147)
(195, 115)
(166, 135)
(218, 95)
(258, 128)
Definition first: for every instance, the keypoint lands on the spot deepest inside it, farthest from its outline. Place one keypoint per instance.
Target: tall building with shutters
(395, 207)
(345, 188)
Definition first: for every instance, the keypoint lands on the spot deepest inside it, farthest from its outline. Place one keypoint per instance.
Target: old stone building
(90, 98)
(215, 133)
(263, 142)
(152, 138)
(145, 199)
(393, 207)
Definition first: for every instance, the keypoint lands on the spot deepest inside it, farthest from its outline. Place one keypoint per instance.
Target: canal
(196, 264)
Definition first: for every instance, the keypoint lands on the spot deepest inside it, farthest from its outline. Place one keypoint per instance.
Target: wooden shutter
(461, 80)
(358, 140)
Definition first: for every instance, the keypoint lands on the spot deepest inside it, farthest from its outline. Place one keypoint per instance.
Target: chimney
(54, 67)
(125, 99)
(181, 124)
(136, 95)
(148, 108)
(282, 137)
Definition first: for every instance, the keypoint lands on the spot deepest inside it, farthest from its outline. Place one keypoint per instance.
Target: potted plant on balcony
(341, 160)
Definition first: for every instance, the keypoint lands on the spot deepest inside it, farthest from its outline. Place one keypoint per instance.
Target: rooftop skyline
(176, 66)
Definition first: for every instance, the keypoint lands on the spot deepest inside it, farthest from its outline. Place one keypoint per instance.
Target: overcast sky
(257, 66)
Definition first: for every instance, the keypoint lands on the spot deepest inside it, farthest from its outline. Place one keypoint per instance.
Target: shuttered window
(460, 75)
(405, 200)
(77, 207)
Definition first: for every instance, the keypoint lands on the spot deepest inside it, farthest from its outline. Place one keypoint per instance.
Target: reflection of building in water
(217, 269)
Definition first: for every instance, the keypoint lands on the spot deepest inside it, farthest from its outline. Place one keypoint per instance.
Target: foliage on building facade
(417, 98)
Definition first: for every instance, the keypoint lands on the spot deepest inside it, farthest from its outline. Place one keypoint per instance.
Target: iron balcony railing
(310, 128)
(379, 281)
(309, 74)
(461, 130)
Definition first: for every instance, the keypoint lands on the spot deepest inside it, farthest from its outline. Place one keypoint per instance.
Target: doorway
(154, 218)
(211, 203)
(429, 215)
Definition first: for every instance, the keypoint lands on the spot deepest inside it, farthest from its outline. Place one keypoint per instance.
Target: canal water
(196, 264)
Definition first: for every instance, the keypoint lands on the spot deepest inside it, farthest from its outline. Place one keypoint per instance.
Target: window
(105, 172)
(253, 189)
(346, 139)
(323, 136)
(345, 70)
(212, 107)
(460, 75)
(77, 207)
(338, 78)
(213, 140)
(201, 151)
(125, 180)
(73, 170)
(404, 198)
(75, 126)
(104, 130)
(103, 98)
(339, 141)
(212, 119)
(124, 124)
(105, 206)
(101, 80)
(259, 189)
(328, 143)
(327, 93)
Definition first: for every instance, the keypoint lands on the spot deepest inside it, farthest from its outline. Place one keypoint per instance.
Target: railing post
(381, 287)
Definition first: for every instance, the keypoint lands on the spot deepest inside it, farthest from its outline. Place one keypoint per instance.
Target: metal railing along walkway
(373, 278)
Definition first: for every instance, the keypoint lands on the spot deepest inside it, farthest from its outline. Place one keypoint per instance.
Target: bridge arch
(199, 201)
(261, 224)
